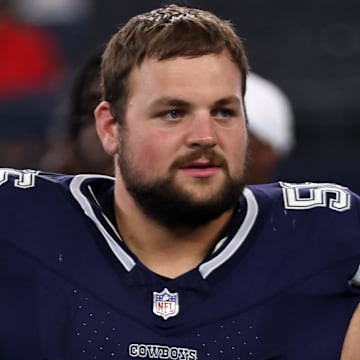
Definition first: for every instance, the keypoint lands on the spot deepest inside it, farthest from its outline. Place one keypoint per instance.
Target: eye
(173, 114)
(224, 114)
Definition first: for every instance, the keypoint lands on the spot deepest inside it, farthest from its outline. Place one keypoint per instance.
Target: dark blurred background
(310, 48)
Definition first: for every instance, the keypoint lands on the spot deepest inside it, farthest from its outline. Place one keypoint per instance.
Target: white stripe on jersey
(120, 253)
(252, 210)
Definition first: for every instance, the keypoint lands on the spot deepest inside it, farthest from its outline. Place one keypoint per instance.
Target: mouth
(201, 168)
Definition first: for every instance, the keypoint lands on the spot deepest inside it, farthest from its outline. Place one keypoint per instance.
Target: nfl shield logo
(165, 303)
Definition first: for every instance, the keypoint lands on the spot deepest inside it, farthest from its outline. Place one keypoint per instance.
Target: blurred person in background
(70, 22)
(31, 59)
(32, 68)
(78, 148)
(271, 128)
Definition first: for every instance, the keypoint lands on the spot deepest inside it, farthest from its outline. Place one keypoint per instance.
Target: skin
(176, 106)
(351, 349)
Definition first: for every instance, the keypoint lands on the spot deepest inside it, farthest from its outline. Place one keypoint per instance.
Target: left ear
(106, 127)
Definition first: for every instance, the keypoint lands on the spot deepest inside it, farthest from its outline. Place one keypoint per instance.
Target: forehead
(187, 75)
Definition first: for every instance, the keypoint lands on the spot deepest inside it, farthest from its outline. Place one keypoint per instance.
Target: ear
(106, 127)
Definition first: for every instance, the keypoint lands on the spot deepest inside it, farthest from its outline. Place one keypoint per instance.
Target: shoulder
(328, 197)
(30, 190)
(38, 209)
(312, 214)
(29, 193)
(35, 181)
(16, 179)
(313, 228)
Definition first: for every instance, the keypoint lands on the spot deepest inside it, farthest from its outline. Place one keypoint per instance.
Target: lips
(200, 168)
(202, 164)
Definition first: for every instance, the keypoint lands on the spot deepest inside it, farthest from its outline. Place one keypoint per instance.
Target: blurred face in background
(88, 151)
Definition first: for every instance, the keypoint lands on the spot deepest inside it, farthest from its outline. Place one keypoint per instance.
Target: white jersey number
(25, 178)
(317, 196)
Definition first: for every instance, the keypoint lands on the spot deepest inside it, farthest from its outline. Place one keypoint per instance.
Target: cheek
(149, 151)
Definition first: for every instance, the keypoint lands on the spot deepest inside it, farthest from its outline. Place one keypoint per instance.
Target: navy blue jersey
(282, 285)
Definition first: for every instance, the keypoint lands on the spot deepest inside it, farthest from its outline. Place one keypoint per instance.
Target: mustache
(200, 153)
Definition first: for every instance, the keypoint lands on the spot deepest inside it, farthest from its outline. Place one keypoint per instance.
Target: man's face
(182, 148)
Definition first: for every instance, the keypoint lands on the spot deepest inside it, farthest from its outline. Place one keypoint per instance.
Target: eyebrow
(228, 100)
(167, 101)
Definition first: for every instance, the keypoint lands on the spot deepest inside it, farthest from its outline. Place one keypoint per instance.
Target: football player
(174, 257)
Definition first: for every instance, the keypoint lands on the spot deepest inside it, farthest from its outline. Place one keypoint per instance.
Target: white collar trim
(252, 210)
(128, 262)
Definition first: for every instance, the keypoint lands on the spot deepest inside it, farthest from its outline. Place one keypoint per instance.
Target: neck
(166, 251)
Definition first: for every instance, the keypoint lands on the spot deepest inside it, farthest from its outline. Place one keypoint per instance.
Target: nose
(202, 132)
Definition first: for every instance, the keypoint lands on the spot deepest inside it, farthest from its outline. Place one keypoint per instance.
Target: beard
(168, 203)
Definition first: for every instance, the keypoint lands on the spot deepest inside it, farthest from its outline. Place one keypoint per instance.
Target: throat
(172, 253)
(171, 258)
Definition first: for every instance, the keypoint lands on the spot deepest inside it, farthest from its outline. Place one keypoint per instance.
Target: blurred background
(309, 48)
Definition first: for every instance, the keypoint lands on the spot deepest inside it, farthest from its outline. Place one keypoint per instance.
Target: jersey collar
(82, 188)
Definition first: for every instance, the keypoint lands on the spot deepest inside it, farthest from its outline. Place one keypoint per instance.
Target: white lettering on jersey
(25, 180)
(153, 351)
(318, 196)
